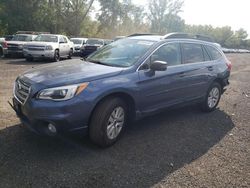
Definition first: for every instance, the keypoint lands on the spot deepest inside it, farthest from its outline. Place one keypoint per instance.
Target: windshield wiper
(97, 62)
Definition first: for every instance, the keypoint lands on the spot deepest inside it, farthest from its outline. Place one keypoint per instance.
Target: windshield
(122, 53)
(76, 41)
(94, 41)
(22, 38)
(46, 38)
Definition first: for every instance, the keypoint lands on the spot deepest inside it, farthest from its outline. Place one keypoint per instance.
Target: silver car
(49, 46)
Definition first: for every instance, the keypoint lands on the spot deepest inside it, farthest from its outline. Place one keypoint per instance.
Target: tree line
(108, 19)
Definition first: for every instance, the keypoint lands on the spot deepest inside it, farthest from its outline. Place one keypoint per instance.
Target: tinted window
(192, 53)
(169, 53)
(213, 52)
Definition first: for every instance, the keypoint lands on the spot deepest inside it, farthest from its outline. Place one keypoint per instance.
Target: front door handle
(210, 68)
(181, 74)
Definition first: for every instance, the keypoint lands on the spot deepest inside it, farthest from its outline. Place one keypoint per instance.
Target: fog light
(52, 128)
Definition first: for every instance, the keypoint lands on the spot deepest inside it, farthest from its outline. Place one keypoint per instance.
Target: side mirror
(158, 66)
(61, 42)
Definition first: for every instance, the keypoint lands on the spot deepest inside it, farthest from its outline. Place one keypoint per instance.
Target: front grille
(36, 48)
(21, 91)
(13, 47)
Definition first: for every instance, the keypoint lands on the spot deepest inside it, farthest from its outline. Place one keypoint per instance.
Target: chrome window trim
(181, 41)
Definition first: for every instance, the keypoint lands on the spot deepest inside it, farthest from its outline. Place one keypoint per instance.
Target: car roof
(147, 37)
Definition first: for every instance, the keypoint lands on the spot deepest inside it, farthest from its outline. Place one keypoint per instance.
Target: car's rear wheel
(212, 98)
(108, 122)
(57, 56)
(70, 54)
(1, 52)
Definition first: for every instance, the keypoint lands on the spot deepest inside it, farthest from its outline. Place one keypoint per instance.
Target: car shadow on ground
(150, 150)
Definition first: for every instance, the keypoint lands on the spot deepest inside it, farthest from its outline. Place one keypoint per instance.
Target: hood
(69, 72)
(16, 42)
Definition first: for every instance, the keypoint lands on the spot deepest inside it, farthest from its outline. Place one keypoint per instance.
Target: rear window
(192, 53)
(213, 52)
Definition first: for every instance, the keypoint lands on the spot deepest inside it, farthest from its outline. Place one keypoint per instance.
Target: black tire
(56, 56)
(1, 52)
(205, 106)
(70, 53)
(29, 59)
(100, 118)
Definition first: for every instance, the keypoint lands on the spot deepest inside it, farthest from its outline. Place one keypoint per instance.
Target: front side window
(169, 53)
(65, 40)
(192, 53)
(213, 52)
(61, 40)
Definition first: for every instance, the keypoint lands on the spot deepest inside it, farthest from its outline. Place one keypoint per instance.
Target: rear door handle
(210, 68)
(182, 74)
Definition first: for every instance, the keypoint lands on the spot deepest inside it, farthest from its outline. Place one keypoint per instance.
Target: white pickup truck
(48, 46)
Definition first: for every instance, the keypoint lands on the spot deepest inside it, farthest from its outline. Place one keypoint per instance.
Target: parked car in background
(78, 44)
(119, 37)
(49, 46)
(15, 46)
(91, 46)
(128, 79)
(1, 50)
(3, 44)
(8, 37)
(107, 41)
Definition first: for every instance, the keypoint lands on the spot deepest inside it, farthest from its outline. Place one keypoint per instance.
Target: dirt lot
(177, 148)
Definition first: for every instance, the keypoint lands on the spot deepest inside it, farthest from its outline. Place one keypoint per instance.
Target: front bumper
(66, 116)
(39, 54)
(12, 52)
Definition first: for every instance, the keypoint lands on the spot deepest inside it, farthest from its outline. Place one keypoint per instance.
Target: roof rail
(31, 32)
(188, 36)
(140, 34)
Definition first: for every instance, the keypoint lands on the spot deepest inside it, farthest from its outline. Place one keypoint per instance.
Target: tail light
(229, 65)
(5, 45)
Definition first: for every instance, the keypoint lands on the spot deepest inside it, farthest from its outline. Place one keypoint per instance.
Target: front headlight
(48, 47)
(62, 93)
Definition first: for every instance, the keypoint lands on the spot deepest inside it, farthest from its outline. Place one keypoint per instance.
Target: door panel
(162, 88)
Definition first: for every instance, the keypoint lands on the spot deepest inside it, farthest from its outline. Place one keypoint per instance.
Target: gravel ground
(177, 148)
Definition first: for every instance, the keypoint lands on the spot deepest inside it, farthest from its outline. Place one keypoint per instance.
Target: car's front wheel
(108, 122)
(56, 56)
(212, 98)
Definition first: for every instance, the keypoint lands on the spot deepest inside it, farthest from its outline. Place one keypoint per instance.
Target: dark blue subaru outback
(128, 79)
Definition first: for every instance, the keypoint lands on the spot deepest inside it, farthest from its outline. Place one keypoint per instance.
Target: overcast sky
(235, 13)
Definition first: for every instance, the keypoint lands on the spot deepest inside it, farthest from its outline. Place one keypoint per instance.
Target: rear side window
(192, 53)
(213, 52)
